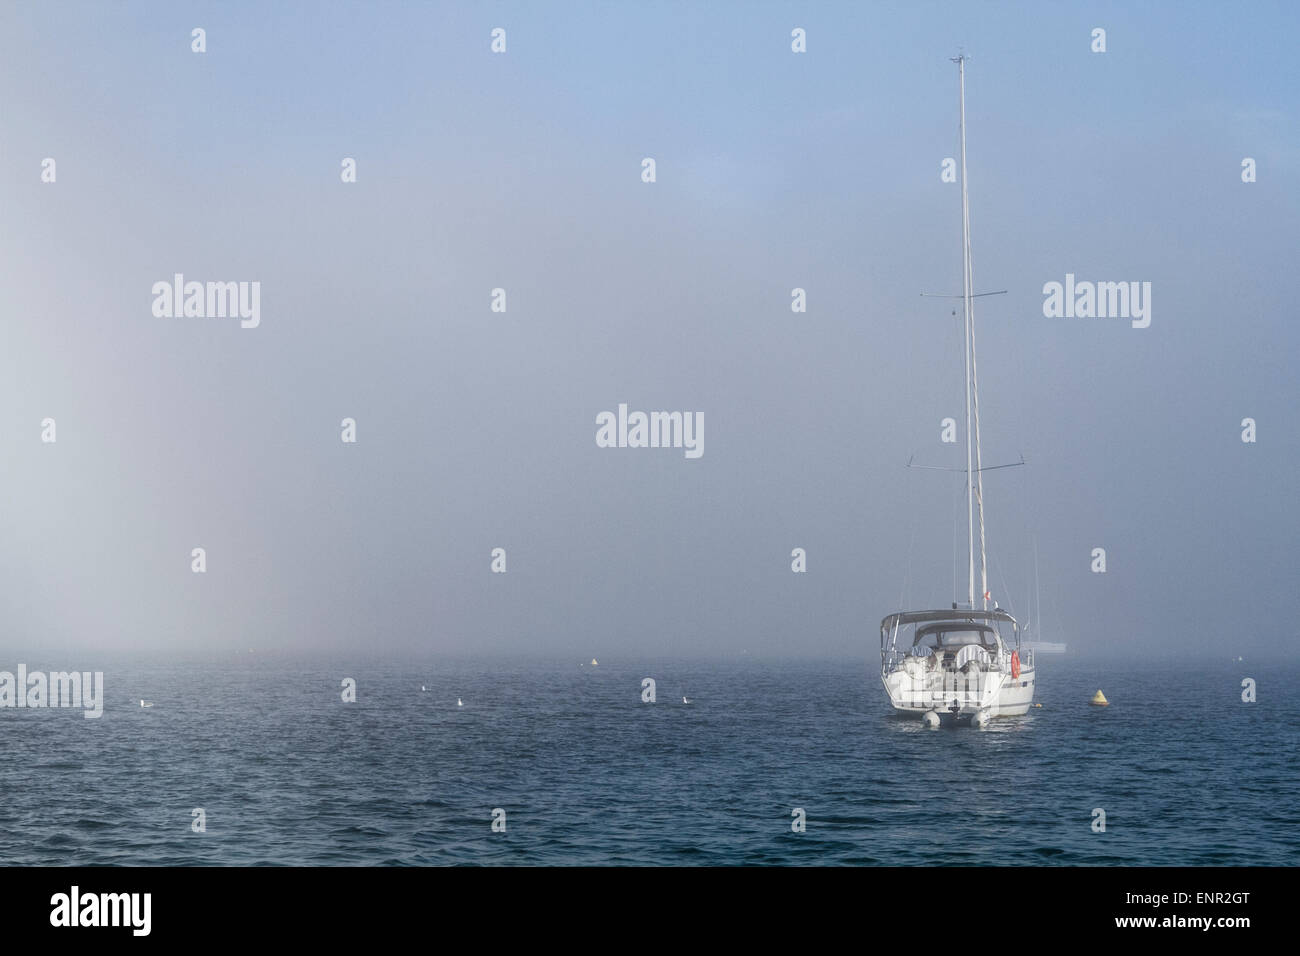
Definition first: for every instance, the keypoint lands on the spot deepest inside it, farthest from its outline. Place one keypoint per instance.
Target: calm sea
(586, 773)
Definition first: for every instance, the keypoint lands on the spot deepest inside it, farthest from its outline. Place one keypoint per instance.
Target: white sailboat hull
(1016, 696)
(957, 698)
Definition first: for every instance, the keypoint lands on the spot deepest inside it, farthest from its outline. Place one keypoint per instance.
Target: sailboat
(963, 664)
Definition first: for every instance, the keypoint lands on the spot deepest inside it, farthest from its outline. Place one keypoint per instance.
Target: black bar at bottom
(1221, 906)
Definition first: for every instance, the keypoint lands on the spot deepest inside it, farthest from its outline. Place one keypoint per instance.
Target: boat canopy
(952, 634)
(959, 616)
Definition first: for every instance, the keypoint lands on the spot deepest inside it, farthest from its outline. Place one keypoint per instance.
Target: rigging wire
(904, 594)
(1010, 605)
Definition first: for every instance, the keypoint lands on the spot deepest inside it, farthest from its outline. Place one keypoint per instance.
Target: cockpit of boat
(951, 646)
(947, 640)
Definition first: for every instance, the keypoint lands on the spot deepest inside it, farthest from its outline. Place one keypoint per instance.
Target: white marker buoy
(459, 702)
(931, 719)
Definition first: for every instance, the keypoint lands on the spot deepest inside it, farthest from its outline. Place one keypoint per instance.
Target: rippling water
(588, 774)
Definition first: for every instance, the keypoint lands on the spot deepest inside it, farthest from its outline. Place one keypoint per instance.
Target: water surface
(287, 773)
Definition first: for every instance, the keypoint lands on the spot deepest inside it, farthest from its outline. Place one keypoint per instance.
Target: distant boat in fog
(1035, 624)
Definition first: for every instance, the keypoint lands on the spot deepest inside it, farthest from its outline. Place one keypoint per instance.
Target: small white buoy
(931, 719)
(980, 718)
(594, 662)
(685, 701)
(459, 702)
(422, 687)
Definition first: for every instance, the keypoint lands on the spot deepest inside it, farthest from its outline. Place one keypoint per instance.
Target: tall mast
(960, 60)
(979, 460)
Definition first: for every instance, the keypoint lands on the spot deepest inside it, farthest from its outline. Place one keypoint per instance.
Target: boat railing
(894, 657)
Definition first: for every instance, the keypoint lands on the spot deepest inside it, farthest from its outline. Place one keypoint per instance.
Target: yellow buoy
(1099, 700)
